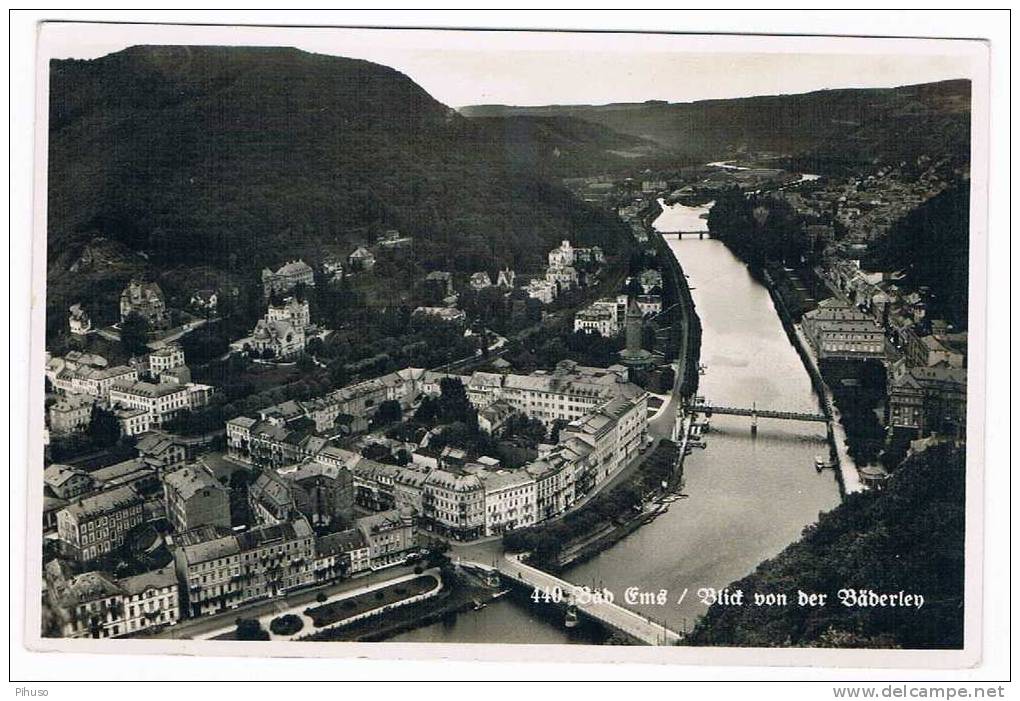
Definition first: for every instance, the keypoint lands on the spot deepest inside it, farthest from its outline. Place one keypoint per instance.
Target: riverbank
(608, 518)
(685, 326)
(847, 475)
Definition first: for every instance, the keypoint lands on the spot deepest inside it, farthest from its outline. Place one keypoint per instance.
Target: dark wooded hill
(839, 125)
(212, 161)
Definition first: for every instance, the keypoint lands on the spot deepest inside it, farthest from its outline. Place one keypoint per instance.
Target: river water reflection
(747, 496)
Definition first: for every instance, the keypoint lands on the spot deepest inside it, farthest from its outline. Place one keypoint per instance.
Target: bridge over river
(700, 233)
(709, 409)
(610, 614)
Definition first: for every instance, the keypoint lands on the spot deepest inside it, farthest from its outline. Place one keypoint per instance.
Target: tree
(453, 400)
(389, 412)
(104, 428)
(250, 629)
(134, 334)
(554, 431)
(427, 411)
(523, 426)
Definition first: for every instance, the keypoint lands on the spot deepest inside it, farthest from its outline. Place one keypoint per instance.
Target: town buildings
(599, 317)
(193, 497)
(568, 393)
(287, 277)
(66, 482)
(94, 604)
(271, 499)
(86, 379)
(164, 359)
(161, 451)
(928, 400)
(218, 570)
(323, 493)
(361, 259)
(163, 402)
(94, 526)
(837, 330)
(275, 339)
(510, 501)
(341, 554)
(543, 290)
(454, 504)
(292, 310)
(389, 535)
(145, 299)
(133, 420)
(79, 321)
(71, 414)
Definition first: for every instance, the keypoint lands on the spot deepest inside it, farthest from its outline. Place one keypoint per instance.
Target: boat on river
(823, 463)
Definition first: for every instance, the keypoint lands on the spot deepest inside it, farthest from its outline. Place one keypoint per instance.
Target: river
(747, 496)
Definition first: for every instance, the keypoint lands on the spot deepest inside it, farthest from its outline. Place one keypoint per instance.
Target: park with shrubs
(336, 611)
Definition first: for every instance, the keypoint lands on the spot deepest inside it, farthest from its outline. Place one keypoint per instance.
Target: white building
(294, 311)
(133, 420)
(505, 278)
(542, 290)
(480, 280)
(510, 501)
(563, 275)
(454, 504)
(96, 382)
(448, 314)
(163, 402)
(168, 357)
(79, 320)
(568, 393)
(600, 316)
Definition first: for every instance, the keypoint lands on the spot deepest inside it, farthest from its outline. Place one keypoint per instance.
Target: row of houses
(143, 395)
(875, 319)
(604, 422)
(96, 604)
(214, 569)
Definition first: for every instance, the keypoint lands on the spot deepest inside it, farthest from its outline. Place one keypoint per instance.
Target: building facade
(193, 497)
(96, 525)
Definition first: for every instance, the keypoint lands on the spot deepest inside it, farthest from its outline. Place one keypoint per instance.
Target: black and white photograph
(351, 341)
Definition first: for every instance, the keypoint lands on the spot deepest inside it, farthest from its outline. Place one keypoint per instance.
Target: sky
(462, 68)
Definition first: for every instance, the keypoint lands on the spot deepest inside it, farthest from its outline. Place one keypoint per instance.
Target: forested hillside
(932, 246)
(207, 163)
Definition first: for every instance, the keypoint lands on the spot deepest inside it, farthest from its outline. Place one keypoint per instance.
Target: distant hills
(224, 160)
(851, 124)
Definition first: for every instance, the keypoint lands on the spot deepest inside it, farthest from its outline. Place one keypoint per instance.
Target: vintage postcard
(502, 345)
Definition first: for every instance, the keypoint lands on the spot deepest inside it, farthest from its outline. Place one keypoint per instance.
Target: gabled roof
(56, 474)
(342, 542)
(190, 480)
(155, 579)
(105, 502)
